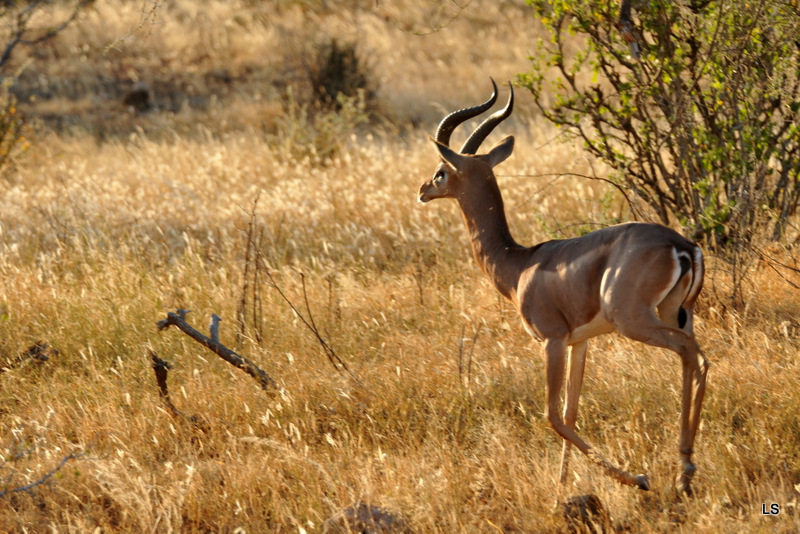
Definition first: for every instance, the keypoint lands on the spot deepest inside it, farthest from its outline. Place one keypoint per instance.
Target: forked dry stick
(212, 343)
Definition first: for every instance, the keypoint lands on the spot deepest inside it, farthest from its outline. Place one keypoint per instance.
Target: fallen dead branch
(212, 343)
(44, 478)
(37, 354)
(363, 517)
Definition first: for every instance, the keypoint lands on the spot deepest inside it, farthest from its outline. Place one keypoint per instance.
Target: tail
(698, 270)
(695, 263)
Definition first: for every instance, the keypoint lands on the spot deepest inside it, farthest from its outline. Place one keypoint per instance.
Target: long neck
(497, 254)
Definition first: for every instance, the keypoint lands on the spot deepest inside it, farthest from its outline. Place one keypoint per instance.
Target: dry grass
(103, 232)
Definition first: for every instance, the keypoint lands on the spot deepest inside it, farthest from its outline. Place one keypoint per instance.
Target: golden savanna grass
(112, 219)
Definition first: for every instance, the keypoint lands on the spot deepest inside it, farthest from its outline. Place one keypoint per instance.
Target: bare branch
(147, 15)
(441, 26)
(251, 284)
(773, 263)
(212, 343)
(161, 367)
(21, 28)
(37, 354)
(634, 210)
(45, 477)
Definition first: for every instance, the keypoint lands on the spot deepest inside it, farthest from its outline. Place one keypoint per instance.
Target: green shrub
(703, 128)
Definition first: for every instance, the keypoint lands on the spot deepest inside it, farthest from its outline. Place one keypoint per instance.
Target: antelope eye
(439, 178)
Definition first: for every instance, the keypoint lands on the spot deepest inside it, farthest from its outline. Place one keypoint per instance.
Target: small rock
(365, 519)
(586, 513)
(138, 98)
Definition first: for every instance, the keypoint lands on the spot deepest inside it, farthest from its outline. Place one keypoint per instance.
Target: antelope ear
(500, 152)
(449, 156)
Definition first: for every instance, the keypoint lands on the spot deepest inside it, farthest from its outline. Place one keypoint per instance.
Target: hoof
(684, 480)
(642, 483)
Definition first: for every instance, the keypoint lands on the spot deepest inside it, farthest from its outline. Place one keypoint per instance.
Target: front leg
(555, 349)
(577, 364)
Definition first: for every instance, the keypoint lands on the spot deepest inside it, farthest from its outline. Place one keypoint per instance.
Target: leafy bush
(704, 128)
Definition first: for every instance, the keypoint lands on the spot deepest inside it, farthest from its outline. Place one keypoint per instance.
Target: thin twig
(147, 15)
(241, 312)
(772, 262)
(556, 175)
(337, 362)
(468, 360)
(419, 277)
(305, 299)
(258, 311)
(460, 8)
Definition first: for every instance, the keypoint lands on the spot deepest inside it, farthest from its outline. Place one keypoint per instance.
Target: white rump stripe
(676, 274)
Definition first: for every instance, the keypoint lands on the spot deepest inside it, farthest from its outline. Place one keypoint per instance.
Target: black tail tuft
(682, 317)
(686, 264)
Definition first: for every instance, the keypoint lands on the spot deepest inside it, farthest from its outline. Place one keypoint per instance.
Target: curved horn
(450, 122)
(472, 144)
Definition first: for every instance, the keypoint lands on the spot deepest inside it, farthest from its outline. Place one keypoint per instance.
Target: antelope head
(453, 175)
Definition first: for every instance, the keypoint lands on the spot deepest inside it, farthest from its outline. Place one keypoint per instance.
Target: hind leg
(695, 368)
(642, 325)
(694, 388)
